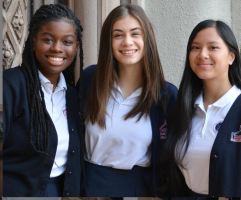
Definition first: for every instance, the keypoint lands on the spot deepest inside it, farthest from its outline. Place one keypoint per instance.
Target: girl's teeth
(55, 59)
(129, 51)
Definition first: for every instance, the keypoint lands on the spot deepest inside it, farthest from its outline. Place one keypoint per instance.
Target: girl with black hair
(127, 108)
(205, 137)
(42, 122)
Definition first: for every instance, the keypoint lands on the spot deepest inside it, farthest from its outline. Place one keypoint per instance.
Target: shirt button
(70, 173)
(72, 152)
(72, 130)
(215, 156)
(67, 194)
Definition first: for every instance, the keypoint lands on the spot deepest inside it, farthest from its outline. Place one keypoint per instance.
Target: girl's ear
(231, 58)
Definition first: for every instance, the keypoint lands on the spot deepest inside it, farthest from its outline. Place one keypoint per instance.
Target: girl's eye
(195, 47)
(68, 42)
(117, 35)
(135, 33)
(48, 40)
(213, 47)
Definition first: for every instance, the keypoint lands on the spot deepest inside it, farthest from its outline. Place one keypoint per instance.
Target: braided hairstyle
(40, 121)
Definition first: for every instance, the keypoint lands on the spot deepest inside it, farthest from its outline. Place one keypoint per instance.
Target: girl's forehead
(127, 21)
(65, 23)
(208, 33)
(58, 27)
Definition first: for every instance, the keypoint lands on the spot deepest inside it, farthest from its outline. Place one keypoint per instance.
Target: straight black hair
(190, 88)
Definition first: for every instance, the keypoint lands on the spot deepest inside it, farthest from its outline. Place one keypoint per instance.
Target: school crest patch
(163, 131)
(65, 113)
(217, 126)
(236, 136)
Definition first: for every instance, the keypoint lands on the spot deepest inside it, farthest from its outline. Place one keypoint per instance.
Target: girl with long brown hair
(127, 106)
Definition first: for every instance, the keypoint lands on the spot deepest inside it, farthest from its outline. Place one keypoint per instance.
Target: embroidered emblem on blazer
(163, 131)
(217, 127)
(236, 136)
(65, 113)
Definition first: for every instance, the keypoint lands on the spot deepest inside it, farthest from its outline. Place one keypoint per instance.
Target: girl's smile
(55, 46)
(209, 56)
(127, 41)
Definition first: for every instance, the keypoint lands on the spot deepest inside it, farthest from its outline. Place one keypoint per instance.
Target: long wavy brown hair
(107, 69)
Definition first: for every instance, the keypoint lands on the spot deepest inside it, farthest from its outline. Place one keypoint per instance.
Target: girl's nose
(57, 47)
(204, 53)
(127, 41)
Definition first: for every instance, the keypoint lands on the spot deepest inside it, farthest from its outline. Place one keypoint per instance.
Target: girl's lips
(204, 66)
(55, 60)
(128, 52)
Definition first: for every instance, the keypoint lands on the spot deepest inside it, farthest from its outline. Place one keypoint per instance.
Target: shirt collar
(61, 83)
(223, 101)
(227, 97)
(117, 92)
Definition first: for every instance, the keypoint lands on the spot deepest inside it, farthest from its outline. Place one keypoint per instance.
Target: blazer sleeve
(8, 102)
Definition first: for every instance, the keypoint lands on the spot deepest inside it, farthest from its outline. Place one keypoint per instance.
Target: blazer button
(67, 194)
(72, 130)
(73, 152)
(215, 156)
(70, 173)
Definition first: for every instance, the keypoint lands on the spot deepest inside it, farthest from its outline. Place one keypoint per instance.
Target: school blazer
(159, 119)
(225, 158)
(26, 172)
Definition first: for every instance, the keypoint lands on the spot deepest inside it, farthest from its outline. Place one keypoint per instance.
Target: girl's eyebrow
(47, 33)
(212, 42)
(133, 29)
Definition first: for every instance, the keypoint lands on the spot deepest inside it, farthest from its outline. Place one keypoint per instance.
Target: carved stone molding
(18, 23)
(8, 53)
(6, 4)
(25, 3)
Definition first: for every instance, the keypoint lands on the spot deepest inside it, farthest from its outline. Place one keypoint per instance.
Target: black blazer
(26, 172)
(225, 158)
(159, 119)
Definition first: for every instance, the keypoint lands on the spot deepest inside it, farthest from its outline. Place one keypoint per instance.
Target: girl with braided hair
(42, 122)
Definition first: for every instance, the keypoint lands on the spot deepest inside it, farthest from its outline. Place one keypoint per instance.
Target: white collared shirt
(205, 127)
(56, 107)
(124, 143)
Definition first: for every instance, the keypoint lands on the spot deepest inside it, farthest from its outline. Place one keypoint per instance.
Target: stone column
(104, 8)
(139, 3)
(50, 2)
(71, 4)
(86, 11)
(37, 4)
